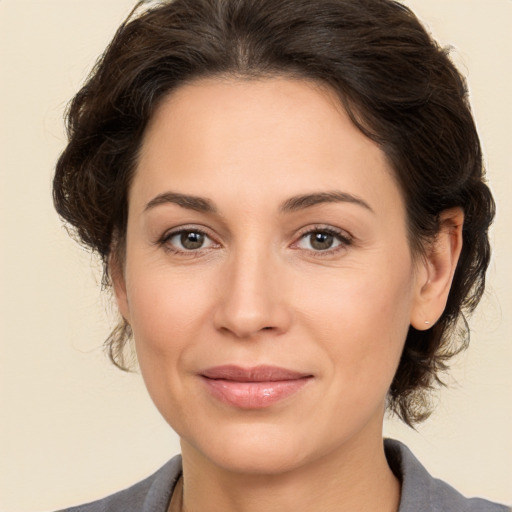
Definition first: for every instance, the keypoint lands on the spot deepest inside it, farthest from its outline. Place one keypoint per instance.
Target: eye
(186, 240)
(322, 239)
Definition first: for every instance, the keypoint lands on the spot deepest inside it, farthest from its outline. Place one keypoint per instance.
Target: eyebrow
(308, 200)
(190, 202)
(300, 202)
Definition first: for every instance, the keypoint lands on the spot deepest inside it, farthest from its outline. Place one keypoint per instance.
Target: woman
(289, 201)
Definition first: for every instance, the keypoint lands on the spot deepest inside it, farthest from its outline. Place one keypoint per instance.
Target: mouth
(253, 388)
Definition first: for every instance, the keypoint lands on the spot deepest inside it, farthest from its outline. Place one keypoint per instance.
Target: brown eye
(187, 240)
(321, 241)
(191, 240)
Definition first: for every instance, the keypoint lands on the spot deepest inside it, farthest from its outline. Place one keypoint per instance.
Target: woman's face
(268, 278)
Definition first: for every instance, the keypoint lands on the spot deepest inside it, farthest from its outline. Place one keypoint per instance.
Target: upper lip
(261, 373)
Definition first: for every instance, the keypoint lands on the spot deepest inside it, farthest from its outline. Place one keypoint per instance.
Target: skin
(259, 292)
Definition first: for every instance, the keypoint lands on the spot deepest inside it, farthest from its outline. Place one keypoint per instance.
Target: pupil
(322, 241)
(192, 240)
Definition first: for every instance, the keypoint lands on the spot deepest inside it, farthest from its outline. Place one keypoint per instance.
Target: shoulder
(420, 491)
(152, 494)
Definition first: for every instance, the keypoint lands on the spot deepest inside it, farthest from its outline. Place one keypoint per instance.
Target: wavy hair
(399, 87)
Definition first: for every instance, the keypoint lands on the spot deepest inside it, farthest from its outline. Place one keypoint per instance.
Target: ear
(436, 269)
(117, 276)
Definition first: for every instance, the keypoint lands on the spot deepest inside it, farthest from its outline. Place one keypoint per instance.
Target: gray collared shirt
(420, 492)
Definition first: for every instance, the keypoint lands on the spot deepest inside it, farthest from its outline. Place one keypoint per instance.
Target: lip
(255, 387)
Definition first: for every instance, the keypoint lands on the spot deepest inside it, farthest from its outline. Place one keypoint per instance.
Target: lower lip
(253, 395)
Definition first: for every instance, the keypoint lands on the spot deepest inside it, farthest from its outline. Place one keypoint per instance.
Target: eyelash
(342, 237)
(164, 241)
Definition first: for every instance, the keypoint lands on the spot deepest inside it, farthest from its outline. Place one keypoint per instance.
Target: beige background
(74, 428)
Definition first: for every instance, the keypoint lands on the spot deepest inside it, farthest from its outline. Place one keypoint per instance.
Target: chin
(250, 450)
(258, 461)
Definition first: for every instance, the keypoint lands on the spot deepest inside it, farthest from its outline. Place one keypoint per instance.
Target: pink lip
(253, 388)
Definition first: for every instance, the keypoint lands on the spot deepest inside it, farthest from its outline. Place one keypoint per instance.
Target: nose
(252, 297)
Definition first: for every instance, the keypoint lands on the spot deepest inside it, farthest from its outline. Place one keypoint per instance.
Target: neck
(355, 477)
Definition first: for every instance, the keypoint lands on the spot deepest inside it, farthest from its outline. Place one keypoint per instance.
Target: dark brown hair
(398, 86)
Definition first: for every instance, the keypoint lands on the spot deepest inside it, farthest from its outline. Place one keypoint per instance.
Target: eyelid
(194, 228)
(343, 236)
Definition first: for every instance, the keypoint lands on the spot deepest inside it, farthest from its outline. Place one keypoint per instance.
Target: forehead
(273, 137)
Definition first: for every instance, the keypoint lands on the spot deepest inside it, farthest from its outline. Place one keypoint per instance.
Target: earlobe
(436, 269)
(117, 276)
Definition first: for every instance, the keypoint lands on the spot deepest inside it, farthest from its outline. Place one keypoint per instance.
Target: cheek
(167, 309)
(168, 319)
(361, 319)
